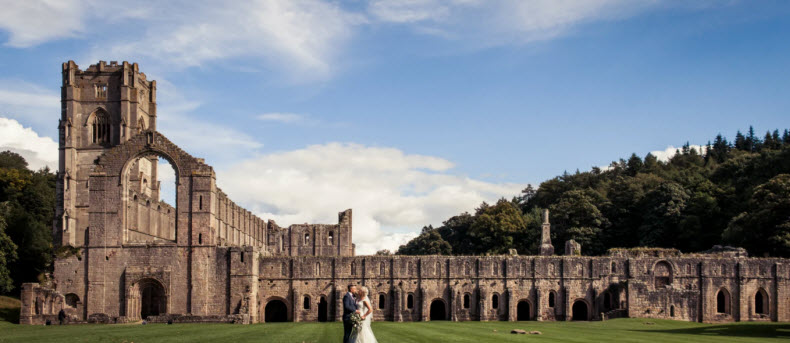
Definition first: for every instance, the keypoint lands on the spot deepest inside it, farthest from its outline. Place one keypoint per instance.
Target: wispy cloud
(305, 39)
(485, 23)
(287, 118)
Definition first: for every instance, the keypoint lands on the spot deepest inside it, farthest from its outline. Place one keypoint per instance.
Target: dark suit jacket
(349, 306)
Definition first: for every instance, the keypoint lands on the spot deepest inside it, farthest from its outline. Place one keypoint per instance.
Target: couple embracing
(356, 301)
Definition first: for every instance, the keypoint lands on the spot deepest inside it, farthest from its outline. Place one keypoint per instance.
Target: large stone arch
(114, 161)
(108, 191)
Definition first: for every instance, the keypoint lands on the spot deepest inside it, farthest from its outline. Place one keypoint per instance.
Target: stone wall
(682, 287)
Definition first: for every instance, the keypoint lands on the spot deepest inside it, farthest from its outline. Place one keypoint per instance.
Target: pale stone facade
(205, 259)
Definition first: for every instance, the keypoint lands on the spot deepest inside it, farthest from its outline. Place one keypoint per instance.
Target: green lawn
(619, 330)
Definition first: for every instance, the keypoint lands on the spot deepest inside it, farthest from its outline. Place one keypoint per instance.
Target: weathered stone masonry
(206, 259)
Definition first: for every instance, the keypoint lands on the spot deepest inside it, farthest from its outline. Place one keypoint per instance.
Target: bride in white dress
(365, 333)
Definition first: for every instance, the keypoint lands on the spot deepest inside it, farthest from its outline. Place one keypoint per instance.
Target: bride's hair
(363, 291)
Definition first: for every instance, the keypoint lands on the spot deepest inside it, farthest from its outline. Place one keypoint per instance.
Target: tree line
(27, 210)
(732, 193)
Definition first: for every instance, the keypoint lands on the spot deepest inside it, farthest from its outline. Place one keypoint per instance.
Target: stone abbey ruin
(124, 255)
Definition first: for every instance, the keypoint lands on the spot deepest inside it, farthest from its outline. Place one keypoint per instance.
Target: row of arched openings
(761, 302)
(277, 311)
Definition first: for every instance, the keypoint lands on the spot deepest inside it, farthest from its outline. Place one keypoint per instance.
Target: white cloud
(666, 154)
(393, 194)
(485, 23)
(282, 117)
(38, 151)
(306, 39)
(302, 37)
(33, 22)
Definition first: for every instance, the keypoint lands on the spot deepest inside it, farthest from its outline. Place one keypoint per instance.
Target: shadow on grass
(10, 315)
(734, 330)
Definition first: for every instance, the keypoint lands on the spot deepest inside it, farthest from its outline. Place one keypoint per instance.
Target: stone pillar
(296, 305)
(397, 297)
(339, 305)
(538, 308)
(424, 305)
(566, 299)
(451, 306)
(740, 312)
(546, 249)
(511, 306)
(482, 306)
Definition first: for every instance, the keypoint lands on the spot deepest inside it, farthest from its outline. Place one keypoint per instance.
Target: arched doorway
(761, 304)
(438, 310)
(153, 301)
(723, 301)
(580, 310)
(322, 309)
(523, 311)
(275, 312)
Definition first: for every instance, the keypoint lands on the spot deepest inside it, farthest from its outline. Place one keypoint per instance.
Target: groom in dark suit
(349, 307)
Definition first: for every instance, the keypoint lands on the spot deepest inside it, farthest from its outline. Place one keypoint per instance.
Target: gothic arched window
(100, 127)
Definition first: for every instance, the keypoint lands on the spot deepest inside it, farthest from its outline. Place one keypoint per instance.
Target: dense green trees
(7, 254)
(27, 206)
(725, 193)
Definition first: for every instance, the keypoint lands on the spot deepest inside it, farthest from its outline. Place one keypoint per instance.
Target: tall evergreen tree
(740, 142)
(751, 140)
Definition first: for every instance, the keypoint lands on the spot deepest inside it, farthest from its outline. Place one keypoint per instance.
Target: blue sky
(409, 111)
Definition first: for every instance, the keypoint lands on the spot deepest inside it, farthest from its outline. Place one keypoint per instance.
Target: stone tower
(546, 249)
(101, 107)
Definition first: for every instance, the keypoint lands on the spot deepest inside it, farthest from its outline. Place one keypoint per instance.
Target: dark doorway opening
(152, 298)
(275, 312)
(580, 311)
(522, 311)
(438, 311)
(607, 301)
(322, 310)
(761, 302)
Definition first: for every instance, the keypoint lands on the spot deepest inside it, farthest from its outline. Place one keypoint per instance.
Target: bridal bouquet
(356, 321)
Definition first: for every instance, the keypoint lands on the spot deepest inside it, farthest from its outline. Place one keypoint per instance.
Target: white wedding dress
(365, 334)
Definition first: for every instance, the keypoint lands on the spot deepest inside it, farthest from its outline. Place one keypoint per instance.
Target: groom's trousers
(347, 326)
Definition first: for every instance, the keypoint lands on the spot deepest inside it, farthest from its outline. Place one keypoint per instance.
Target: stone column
(482, 305)
(296, 306)
(538, 308)
(339, 305)
(566, 298)
(511, 317)
(397, 295)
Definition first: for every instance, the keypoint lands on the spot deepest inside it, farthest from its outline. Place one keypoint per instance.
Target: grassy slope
(9, 310)
(620, 330)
